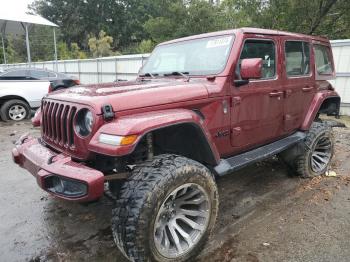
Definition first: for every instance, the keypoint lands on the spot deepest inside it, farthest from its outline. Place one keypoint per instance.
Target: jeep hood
(133, 94)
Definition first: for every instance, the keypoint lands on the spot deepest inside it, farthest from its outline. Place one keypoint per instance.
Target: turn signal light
(128, 140)
(115, 140)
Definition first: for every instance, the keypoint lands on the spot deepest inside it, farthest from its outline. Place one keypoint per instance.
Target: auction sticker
(222, 41)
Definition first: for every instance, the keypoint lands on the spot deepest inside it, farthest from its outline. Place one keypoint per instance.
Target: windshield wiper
(149, 74)
(178, 73)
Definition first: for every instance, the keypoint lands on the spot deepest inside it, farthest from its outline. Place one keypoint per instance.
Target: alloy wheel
(17, 112)
(321, 154)
(181, 220)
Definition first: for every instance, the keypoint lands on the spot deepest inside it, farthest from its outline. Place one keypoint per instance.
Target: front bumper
(44, 164)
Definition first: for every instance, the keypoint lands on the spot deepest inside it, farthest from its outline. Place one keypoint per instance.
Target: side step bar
(229, 165)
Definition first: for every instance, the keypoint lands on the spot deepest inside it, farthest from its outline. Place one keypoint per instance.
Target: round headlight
(88, 121)
(84, 122)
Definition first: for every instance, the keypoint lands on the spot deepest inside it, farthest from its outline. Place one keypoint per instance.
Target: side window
(39, 73)
(323, 60)
(264, 49)
(53, 75)
(15, 73)
(297, 58)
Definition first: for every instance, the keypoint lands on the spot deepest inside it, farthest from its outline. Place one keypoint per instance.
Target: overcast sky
(15, 5)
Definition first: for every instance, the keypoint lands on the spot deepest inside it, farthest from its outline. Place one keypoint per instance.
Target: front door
(257, 107)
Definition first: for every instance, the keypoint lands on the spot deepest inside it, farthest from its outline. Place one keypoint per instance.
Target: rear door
(298, 81)
(257, 111)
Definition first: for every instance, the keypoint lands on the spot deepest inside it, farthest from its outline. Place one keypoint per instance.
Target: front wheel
(14, 110)
(166, 210)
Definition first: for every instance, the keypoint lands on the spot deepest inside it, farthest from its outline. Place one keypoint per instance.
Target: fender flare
(143, 123)
(315, 106)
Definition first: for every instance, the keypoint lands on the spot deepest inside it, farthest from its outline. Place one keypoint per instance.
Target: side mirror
(251, 68)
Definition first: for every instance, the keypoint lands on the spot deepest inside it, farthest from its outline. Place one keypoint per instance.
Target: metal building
(341, 53)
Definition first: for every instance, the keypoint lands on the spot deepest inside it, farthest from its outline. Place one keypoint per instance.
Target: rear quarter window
(323, 60)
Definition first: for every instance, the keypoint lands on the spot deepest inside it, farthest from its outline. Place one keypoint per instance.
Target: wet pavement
(265, 214)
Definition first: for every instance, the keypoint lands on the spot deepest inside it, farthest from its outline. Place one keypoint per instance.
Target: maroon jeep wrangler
(202, 107)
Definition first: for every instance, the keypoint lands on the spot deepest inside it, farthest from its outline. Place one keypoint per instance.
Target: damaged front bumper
(56, 173)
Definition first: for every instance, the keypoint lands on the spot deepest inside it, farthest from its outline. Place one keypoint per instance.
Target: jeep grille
(57, 123)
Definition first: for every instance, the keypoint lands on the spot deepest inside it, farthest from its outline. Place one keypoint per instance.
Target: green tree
(138, 12)
(76, 53)
(202, 17)
(319, 17)
(123, 20)
(10, 51)
(146, 46)
(241, 13)
(101, 46)
(14, 50)
(41, 43)
(130, 22)
(180, 20)
(1, 55)
(160, 28)
(62, 51)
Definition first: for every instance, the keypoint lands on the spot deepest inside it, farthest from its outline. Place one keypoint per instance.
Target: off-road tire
(298, 158)
(142, 195)
(4, 110)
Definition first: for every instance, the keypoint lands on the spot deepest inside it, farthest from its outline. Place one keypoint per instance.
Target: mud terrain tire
(318, 146)
(143, 196)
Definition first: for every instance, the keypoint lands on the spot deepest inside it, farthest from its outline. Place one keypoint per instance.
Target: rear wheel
(313, 156)
(14, 110)
(166, 210)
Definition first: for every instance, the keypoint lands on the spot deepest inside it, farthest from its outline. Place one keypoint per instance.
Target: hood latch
(107, 111)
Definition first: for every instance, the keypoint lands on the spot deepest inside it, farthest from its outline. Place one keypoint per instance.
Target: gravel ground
(265, 215)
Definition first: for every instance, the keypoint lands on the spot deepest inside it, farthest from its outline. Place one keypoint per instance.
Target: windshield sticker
(223, 41)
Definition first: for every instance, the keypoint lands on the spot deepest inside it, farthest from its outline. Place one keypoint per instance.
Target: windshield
(203, 56)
